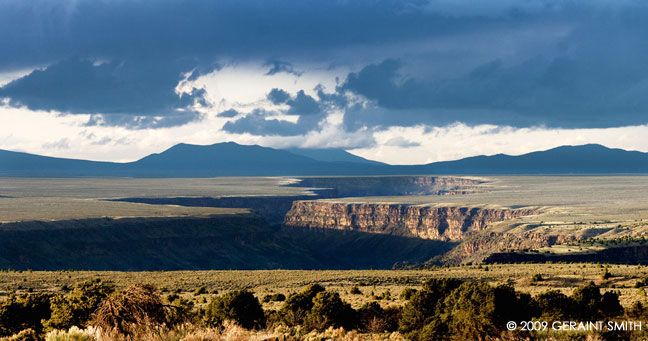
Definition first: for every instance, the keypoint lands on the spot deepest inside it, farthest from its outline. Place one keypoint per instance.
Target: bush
(512, 306)
(72, 334)
(610, 305)
(424, 305)
(407, 293)
(25, 335)
(355, 291)
(135, 311)
(373, 318)
(200, 291)
(274, 298)
(555, 306)
(588, 302)
(76, 308)
(330, 311)
(22, 312)
(471, 312)
(297, 305)
(637, 311)
(239, 306)
(606, 274)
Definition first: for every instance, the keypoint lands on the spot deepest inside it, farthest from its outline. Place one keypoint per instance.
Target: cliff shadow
(344, 249)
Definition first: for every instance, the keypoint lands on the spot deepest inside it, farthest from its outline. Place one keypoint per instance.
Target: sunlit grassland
(372, 283)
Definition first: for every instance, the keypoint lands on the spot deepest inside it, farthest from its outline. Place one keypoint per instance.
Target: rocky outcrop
(480, 246)
(637, 254)
(363, 186)
(428, 222)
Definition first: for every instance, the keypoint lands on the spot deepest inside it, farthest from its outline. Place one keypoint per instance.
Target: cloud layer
(293, 73)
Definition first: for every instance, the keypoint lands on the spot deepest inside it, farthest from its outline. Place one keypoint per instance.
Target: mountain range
(232, 159)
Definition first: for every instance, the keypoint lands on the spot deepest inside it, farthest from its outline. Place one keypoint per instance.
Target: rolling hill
(231, 159)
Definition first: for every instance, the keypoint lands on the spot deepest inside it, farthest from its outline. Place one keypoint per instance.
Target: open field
(23, 199)
(563, 277)
(590, 201)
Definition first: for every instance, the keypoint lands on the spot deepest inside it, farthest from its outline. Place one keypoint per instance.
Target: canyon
(355, 222)
(427, 222)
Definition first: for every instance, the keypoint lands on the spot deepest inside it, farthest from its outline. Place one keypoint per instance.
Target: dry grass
(563, 277)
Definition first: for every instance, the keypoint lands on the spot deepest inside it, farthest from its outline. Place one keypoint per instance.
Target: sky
(402, 82)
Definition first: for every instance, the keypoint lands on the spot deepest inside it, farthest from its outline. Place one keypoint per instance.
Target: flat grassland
(372, 283)
(566, 200)
(24, 199)
(605, 206)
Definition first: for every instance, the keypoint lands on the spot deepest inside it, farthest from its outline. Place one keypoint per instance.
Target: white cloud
(459, 140)
(245, 86)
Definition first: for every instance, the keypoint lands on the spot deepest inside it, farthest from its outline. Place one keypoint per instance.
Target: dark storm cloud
(228, 113)
(41, 31)
(562, 64)
(116, 90)
(303, 104)
(256, 123)
(142, 122)
(278, 96)
(556, 92)
(277, 66)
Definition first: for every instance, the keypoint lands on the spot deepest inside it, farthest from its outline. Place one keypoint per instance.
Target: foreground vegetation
(443, 308)
(463, 302)
(562, 277)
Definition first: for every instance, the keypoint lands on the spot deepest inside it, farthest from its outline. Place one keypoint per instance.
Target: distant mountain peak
(233, 159)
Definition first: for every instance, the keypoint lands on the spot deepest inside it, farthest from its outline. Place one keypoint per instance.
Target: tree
(240, 306)
(76, 308)
(20, 312)
(423, 305)
(330, 311)
(297, 305)
(588, 301)
(555, 306)
(471, 311)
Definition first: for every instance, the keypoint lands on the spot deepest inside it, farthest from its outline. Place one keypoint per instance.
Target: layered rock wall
(360, 186)
(429, 222)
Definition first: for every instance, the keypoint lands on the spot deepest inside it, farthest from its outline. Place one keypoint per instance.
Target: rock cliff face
(362, 186)
(438, 223)
(480, 246)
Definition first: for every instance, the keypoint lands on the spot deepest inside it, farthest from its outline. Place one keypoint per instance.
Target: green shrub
(588, 302)
(373, 318)
(423, 305)
(512, 306)
(25, 335)
(297, 305)
(610, 305)
(278, 297)
(21, 312)
(330, 311)
(407, 293)
(240, 306)
(606, 274)
(76, 308)
(637, 311)
(200, 291)
(470, 312)
(555, 306)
